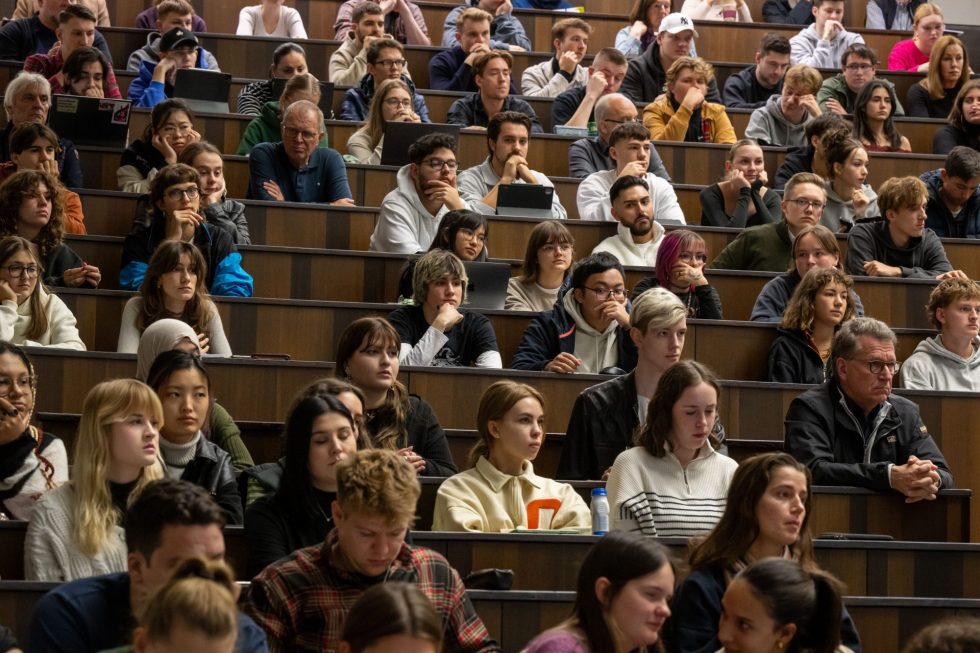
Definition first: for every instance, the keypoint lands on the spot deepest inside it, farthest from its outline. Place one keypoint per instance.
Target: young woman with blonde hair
(500, 492)
(365, 144)
(74, 531)
(949, 69)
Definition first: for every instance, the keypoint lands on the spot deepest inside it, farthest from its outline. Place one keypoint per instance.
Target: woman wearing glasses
(174, 213)
(549, 256)
(29, 315)
(171, 129)
(742, 199)
(386, 62)
(681, 260)
(392, 102)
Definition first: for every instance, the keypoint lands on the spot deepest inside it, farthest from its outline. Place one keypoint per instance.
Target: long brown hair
(955, 114)
(548, 232)
(198, 310)
(738, 527)
(934, 78)
(655, 431)
(800, 311)
(12, 194)
(39, 317)
(388, 424)
(827, 240)
(496, 401)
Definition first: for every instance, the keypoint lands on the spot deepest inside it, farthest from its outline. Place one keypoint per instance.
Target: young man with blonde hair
(900, 245)
(452, 69)
(301, 600)
(949, 362)
(570, 38)
(783, 119)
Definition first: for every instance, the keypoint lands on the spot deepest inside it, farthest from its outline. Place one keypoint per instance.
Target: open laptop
(204, 91)
(525, 200)
(400, 135)
(487, 287)
(103, 122)
(326, 95)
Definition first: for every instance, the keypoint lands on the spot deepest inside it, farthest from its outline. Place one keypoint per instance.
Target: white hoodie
(933, 367)
(629, 253)
(596, 350)
(404, 226)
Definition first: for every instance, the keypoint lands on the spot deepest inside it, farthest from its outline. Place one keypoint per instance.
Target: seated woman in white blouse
(271, 18)
(501, 492)
(674, 484)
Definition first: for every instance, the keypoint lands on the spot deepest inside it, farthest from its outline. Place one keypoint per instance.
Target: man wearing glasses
(588, 330)
(859, 64)
(155, 82)
(591, 154)
(491, 73)
(385, 60)
(853, 431)
(426, 191)
(297, 169)
(768, 247)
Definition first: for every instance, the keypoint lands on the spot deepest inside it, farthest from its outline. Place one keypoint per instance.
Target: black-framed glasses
(816, 205)
(191, 193)
(602, 294)
(439, 164)
(391, 63)
(17, 270)
(877, 367)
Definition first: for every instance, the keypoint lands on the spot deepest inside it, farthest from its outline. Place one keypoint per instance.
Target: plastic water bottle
(600, 511)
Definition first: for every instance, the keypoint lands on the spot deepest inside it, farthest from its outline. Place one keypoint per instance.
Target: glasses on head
(859, 67)
(439, 164)
(292, 133)
(602, 294)
(395, 103)
(877, 367)
(816, 205)
(17, 270)
(391, 63)
(192, 193)
(687, 257)
(551, 248)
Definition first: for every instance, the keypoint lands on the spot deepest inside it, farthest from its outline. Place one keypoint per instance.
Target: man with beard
(508, 140)
(491, 72)
(638, 235)
(629, 148)
(426, 191)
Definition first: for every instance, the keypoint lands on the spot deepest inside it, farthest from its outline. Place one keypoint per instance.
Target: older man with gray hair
(591, 154)
(852, 430)
(296, 169)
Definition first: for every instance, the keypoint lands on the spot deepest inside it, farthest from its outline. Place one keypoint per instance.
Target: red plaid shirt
(301, 602)
(50, 65)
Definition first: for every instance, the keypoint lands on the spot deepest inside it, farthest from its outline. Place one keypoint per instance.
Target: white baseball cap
(675, 23)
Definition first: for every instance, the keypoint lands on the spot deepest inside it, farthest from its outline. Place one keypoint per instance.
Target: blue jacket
(553, 332)
(549, 5)
(940, 219)
(146, 93)
(324, 179)
(225, 274)
(94, 614)
(357, 100)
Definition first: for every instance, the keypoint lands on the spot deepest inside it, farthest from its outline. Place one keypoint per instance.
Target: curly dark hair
(18, 187)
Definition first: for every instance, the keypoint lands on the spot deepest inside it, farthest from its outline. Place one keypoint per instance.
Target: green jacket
(835, 88)
(765, 248)
(225, 434)
(266, 129)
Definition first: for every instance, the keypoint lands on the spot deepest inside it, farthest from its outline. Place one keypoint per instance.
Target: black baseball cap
(176, 37)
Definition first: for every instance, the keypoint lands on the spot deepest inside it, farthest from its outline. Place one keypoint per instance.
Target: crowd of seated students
(158, 467)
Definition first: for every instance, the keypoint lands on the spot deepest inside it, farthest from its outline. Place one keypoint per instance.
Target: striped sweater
(657, 497)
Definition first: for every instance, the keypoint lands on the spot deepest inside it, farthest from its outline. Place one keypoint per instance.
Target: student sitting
(403, 20)
(33, 146)
(150, 18)
(35, 462)
(30, 206)
(874, 110)
(927, 27)
(639, 234)
(683, 114)
(161, 18)
(491, 74)
(288, 60)
(179, 50)
(587, 330)
(348, 63)
(85, 73)
(963, 126)
(547, 260)
(643, 25)
(175, 214)
(814, 247)
(452, 69)
(385, 60)
(75, 530)
(500, 492)
(949, 69)
(267, 126)
(900, 245)
(820, 304)
(570, 38)
(173, 287)
(367, 356)
(674, 482)
(849, 198)
(170, 130)
(271, 19)
(463, 232)
(576, 107)
(681, 260)
(859, 65)
(711, 10)
(821, 44)
(76, 31)
(218, 209)
(782, 121)
(392, 102)
(30, 316)
(390, 616)
(35, 30)
(506, 31)
(184, 388)
(949, 362)
(434, 331)
(811, 157)
(953, 210)
(751, 88)
(741, 199)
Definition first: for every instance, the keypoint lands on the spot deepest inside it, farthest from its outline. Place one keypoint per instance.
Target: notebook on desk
(487, 285)
(205, 91)
(400, 135)
(525, 200)
(102, 122)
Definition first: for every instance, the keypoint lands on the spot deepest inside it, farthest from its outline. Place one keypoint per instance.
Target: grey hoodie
(769, 126)
(151, 52)
(596, 350)
(840, 211)
(404, 226)
(933, 367)
(807, 47)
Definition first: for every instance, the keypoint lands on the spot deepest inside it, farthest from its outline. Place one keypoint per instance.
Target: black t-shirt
(467, 340)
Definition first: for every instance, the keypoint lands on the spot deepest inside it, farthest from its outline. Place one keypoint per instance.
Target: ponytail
(822, 634)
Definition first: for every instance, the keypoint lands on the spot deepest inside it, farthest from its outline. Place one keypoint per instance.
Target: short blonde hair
(472, 13)
(657, 308)
(804, 78)
(700, 67)
(379, 482)
(947, 292)
(434, 265)
(201, 596)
